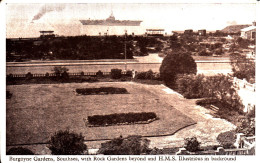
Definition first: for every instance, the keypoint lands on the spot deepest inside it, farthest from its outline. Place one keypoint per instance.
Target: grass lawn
(37, 111)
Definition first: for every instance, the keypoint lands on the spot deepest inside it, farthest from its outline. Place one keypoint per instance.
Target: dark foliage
(192, 144)
(227, 139)
(67, 143)
(131, 145)
(8, 94)
(99, 74)
(176, 63)
(76, 47)
(19, 151)
(147, 75)
(113, 119)
(242, 67)
(101, 90)
(116, 73)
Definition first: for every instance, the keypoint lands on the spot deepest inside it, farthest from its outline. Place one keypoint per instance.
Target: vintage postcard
(129, 81)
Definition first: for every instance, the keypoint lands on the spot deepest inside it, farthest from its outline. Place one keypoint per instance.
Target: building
(249, 32)
(154, 32)
(202, 32)
(47, 34)
(188, 31)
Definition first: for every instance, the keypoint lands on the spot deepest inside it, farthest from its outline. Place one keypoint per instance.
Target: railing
(238, 83)
(54, 74)
(219, 151)
(244, 146)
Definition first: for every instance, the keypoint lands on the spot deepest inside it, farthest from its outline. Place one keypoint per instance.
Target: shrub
(116, 73)
(218, 51)
(191, 86)
(192, 144)
(101, 90)
(247, 126)
(131, 145)
(67, 143)
(128, 118)
(47, 74)
(29, 76)
(176, 63)
(129, 73)
(19, 151)
(227, 139)
(204, 53)
(145, 75)
(59, 70)
(99, 73)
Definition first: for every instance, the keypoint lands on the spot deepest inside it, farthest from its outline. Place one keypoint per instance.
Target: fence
(244, 146)
(238, 83)
(55, 75)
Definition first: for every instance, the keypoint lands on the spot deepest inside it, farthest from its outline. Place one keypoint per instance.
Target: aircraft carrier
(111, 21)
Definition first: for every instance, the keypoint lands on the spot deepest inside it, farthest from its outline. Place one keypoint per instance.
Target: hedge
(121, 118)
(101, 90)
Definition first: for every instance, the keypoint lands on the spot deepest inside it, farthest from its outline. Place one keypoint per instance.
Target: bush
(19, 151)
(148, 75)
(99, 73)
(227, 139)
(218, 51)
(191, 86)
(192, 144)
(67, 143)
(128, 118)
(247, 126)
(59, 70)
(174, 64)
(29, 76)
(204, 53)
(101, 90)
(131, 145)
(116, 73)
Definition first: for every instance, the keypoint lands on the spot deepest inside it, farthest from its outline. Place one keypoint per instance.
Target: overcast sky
(170, 16)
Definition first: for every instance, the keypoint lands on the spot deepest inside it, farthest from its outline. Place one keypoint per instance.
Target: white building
(249, 32)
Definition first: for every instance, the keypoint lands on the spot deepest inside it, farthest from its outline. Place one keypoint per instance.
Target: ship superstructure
(111, 21)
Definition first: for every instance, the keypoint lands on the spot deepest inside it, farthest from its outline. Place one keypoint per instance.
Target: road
(205, 65)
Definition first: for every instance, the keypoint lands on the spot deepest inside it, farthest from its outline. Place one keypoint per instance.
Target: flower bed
(101, 90)
(121, 119)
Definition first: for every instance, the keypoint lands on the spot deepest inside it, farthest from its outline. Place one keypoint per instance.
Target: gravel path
(206, 129)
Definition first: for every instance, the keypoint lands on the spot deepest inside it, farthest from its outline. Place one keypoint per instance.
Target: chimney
(254, 23)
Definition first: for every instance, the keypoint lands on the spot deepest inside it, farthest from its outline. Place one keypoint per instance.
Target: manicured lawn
(36, 111)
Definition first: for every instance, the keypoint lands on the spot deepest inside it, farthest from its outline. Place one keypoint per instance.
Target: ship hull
(114, 23)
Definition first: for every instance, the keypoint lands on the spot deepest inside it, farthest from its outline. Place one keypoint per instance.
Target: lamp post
(125, 50)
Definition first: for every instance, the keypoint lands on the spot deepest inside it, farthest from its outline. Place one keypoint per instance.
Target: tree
(131, 145)
(67, 143)
(177, 63)
(192, 144)
(221, 88)
(242, 67)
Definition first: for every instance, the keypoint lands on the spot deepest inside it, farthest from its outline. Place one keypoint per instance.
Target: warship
(111, 21)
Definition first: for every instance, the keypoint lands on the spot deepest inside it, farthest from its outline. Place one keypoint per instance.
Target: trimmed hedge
(101, 90)
(121, 118)
(116, 73)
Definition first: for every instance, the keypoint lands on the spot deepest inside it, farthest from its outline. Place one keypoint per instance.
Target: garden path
(206, 129)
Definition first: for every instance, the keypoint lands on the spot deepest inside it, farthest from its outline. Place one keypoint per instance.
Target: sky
(26, 20)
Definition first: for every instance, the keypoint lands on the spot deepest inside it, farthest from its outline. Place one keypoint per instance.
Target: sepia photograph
(129, 78)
